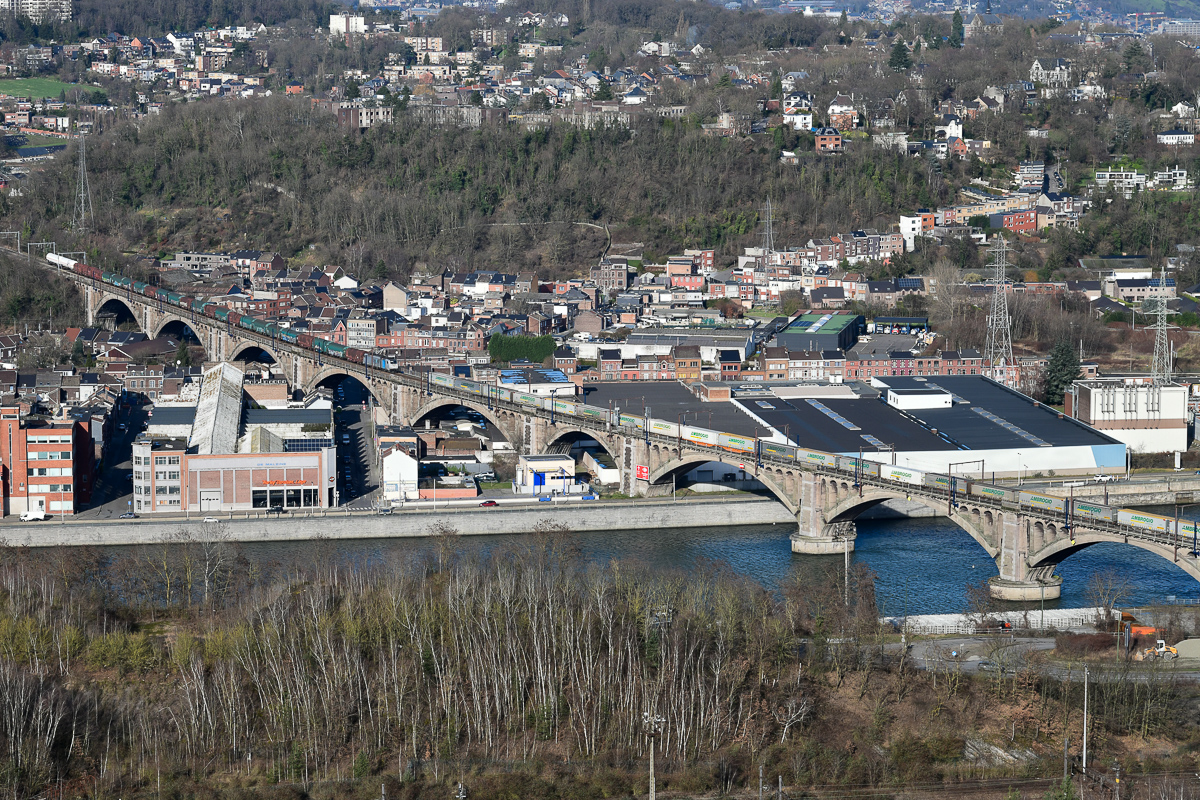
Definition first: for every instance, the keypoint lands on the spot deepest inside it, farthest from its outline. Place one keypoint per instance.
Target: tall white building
(345, 23)
(40, 11)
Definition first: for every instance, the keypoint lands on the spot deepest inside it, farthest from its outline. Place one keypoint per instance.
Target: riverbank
(607, 515)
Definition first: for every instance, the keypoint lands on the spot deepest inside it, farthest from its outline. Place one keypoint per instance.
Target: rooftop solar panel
(833, 415)
(1003, 423)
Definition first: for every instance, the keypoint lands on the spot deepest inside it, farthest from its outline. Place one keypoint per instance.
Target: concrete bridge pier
(815, 534)
(831, 539)
(1018, 581)
(1042, 584)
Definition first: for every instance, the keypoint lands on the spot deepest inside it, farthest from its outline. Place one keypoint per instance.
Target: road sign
(643, 472)
(741, 466)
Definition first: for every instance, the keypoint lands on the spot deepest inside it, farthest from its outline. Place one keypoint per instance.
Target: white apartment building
(1125, 181)
(341, 24)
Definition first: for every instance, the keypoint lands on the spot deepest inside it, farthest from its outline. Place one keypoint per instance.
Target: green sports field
(35, 87)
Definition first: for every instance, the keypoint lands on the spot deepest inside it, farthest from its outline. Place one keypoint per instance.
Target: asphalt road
(358, 479)
(1006, 655)
(113, 491)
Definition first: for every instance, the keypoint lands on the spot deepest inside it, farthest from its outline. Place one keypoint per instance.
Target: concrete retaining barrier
(599, 516)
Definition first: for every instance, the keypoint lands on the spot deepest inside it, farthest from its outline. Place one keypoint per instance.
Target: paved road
(1006, 655)
(358, 479)
(113, 490)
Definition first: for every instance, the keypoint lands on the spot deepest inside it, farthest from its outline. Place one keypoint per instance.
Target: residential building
(1054, 73)
(828, 140)
(342, 24)
(841, 113)
(47, 464)
(1176, 138)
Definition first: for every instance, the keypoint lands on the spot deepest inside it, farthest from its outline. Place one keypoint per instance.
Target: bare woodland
(187, 664)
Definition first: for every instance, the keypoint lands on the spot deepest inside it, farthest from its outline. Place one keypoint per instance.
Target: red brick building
(47, 464)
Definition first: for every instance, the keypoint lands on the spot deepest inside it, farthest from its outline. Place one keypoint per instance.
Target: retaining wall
(599, 516)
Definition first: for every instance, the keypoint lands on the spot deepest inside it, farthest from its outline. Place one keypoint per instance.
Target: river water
(922, 566)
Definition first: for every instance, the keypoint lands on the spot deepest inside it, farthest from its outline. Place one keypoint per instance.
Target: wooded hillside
(524, 672)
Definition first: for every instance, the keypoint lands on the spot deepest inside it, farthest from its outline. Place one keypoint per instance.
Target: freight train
(742, 446)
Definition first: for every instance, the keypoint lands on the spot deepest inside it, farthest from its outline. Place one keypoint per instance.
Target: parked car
(210, 519)
(488, 504)
(37, 515)
(1103, 478)
(128, 515)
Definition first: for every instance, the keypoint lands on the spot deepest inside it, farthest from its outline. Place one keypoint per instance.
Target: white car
(36, 515)
(1103, 478)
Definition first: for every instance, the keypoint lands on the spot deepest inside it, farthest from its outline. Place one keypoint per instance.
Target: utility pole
(1085, 717)
(653, 724)
(1161, 367)
(768, 233)
(82, 220)
(999, 335)
(846, 550)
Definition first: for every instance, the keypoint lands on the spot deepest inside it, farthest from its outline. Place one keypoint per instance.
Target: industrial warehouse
(219, 456)
(966, 424)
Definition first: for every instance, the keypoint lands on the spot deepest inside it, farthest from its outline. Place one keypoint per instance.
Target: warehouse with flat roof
(970, 422)
(822, 332)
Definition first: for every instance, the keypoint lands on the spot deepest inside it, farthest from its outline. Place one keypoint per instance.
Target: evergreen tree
(956, 29)
(1135, 58)
(1061, 370)
(900, 60)
(183, 357)
(603, 93)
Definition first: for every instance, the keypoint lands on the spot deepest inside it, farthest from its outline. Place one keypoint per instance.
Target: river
(923, 566)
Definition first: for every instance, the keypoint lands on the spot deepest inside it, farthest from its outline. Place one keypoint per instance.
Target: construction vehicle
(1159, 651)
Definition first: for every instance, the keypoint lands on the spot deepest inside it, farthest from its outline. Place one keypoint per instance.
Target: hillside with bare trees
(522, 672)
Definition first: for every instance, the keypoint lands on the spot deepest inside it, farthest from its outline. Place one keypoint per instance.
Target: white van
(37, 515)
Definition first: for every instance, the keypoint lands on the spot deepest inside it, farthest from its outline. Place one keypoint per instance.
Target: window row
(286, 498)
(51, 488)
(49, 472)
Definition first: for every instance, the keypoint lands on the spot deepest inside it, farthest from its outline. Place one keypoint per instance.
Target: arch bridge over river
(1027, 534)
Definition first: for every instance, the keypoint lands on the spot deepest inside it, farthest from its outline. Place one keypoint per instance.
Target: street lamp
(653, 724)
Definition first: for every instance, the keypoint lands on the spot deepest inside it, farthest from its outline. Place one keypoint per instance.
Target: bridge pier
(1018, 581)
(815, 535)
(1045, 586)
(833, 538)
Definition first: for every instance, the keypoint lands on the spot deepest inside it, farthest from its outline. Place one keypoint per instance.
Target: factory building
(1148, 418)
(219, 456)
(968, 424)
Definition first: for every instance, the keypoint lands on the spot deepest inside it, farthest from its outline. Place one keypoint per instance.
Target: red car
(489, 503)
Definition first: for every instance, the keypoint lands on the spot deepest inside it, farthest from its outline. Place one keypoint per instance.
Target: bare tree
(1106, 590)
